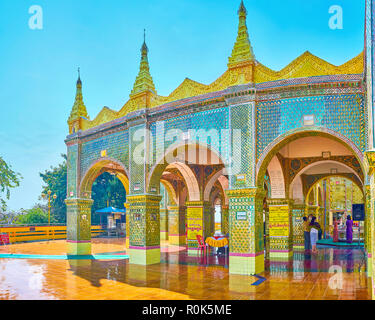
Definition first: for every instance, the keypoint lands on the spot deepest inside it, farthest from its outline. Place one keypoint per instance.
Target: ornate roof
(243, 68)
(143, 82)
(79, 108)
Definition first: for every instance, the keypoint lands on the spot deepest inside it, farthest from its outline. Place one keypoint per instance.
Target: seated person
(221, 251)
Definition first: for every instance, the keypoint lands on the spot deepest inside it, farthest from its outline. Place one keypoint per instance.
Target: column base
(280, 254)
(246, 264)
(369, 265)
(78, 247)
(164, 235)
(298, 246)
(177, 240)
(193, 252)
(144, 255)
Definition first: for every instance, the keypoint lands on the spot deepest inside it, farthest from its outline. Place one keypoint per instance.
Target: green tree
(8, 180)
(8, 217)
(35, 215)
(55, 180)
(107, 191)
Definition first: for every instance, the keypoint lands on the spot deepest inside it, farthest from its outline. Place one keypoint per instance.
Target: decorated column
(144, 241)
(176, 222)
(163, 214)
(368, 243)
(78, 226)
(224, 219)
(163, 223)
(246, 245)
(198, 223)
(280, 228)
(298, 212)
(267, 232)
(370, 197)
(370, 105)
(311, 209)
(127, 218)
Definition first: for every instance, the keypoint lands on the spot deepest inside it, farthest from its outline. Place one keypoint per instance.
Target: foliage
(35, 215)
(107, 191)
(8, 180)
(55, 180)
(8, 217)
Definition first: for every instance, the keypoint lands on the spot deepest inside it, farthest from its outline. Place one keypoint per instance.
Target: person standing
(306, 233)
(314, 231)
(335, 230)
(349, 229)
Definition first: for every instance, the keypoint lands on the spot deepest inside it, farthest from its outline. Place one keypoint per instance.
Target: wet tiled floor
(178, 276)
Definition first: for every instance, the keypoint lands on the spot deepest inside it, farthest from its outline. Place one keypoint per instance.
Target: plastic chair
(4, 239)
(201, 245)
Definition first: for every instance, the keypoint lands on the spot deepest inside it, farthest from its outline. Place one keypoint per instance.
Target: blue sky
(186, 38)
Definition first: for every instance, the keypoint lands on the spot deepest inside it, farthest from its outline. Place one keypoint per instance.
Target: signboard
(279, 221)
(241, 177)
(358, 212)
(241, 215)
(194, 223)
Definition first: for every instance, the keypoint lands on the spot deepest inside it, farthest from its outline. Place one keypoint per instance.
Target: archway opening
(335, 197)
(194, 178)
(288, 170)
(108, 192)
(106, 183)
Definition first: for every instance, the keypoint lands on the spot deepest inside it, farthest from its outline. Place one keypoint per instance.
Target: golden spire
(143, 82)
(79, 109)
(242, 51)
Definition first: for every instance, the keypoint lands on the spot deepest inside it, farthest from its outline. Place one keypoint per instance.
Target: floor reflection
(178, 276)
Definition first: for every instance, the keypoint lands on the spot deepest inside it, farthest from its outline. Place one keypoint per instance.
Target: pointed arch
(99, 167)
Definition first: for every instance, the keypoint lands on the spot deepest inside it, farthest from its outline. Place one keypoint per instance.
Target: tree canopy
(35, 215)
(55, 180)
(8, 180)
(107, 190)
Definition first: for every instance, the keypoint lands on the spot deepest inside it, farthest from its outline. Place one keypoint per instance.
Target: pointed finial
(242, 51)
(143, 82)
(242, 8)
(144, 48)
(79, 109)
(79, 76)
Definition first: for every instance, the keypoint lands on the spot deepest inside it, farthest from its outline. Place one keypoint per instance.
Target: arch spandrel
(340, 113)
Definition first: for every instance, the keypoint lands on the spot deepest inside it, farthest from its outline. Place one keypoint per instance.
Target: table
(217, 242)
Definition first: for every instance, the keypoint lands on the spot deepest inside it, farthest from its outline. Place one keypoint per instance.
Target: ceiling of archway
(308, 147)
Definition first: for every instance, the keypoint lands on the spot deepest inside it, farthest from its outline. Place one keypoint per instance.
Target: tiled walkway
(177, 277)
